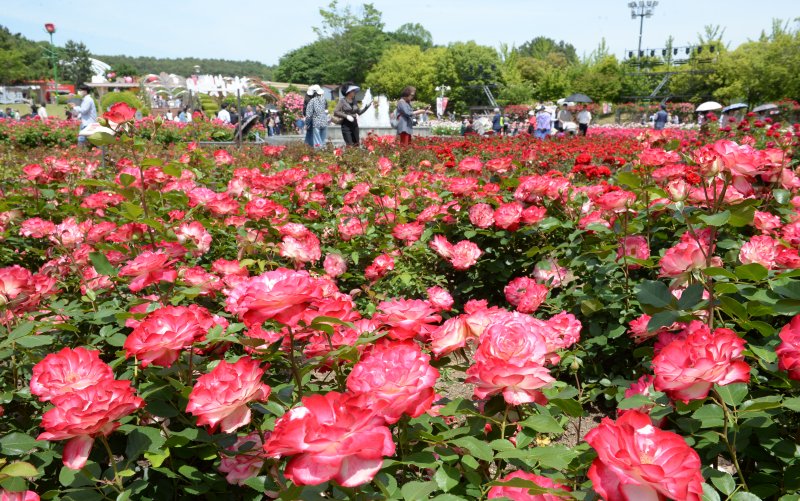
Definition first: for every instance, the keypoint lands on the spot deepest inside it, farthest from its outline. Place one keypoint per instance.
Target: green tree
(601, 81)
(412, 34)
(76, 67)
(403, 65)
(22, 59)
(541, 47)
(466, 67)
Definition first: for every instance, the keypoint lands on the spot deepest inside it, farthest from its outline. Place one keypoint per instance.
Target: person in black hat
(347, 112)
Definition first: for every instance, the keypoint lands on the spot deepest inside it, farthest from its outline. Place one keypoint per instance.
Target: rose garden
(610, 316)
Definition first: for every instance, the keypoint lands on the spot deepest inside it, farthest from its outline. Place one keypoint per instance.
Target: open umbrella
(578, 98)
(765, 107)
(709, 106)
(736, 106)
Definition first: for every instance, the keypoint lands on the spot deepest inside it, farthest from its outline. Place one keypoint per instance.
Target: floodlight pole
(641, 9)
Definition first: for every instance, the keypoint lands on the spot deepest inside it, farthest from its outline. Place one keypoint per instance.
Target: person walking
(543, 123)
(584, 119)
(564, 116)
(317, 116)
(661, 118)
(87, 111)
(405, 115)
(347, 110)
(497, 122)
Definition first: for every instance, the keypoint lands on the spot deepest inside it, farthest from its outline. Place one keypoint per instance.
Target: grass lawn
(53, 110)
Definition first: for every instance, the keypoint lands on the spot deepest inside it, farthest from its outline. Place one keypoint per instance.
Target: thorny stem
(113, 461)
(731, 446)
(505, 421)
(293, 361)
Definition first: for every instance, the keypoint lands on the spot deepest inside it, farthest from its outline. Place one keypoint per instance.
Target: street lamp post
(642, 9)
(51, 29)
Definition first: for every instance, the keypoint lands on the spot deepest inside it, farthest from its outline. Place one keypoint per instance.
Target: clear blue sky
(265, 30)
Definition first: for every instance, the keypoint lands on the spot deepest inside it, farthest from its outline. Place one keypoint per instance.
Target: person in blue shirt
(661, 118)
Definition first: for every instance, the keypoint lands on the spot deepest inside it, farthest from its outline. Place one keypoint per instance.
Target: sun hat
(351, 88)
(531, 112)
(314, 89)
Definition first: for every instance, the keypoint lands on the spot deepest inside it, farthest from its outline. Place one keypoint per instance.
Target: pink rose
(67, 371)
(633, 246)
(220, 397)
(789, 349)
(281, 295)
(521, 493)
(635, 460)
(481, 215)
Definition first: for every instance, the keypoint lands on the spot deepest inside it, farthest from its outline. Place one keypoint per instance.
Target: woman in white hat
(316, 117)
(347, 113)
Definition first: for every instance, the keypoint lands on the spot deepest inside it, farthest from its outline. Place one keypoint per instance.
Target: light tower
(642, 9)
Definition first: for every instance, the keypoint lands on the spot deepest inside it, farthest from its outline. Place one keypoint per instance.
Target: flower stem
(113, 461)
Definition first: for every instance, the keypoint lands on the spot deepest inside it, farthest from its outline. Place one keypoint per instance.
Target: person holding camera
(405, 115)
(347, 113)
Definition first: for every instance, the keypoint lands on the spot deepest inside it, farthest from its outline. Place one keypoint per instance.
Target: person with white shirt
(584, 119)
(224, 115)
(42, 112)
(87, 111)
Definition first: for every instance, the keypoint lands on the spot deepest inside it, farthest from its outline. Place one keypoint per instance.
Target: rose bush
(465, 318)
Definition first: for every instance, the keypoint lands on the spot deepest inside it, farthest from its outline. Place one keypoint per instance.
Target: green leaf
(732, 394)
(722, 481)
(143, 439)
(717, 219)
(745, 496)
(634, 402)
(172, 169)
(733, 307)
(101, 138)
(533, 487)
(662, 319)
(447, 477)
(710, 416)
(569, 406)
(654, 293)
(742, 215)
(416, 491)
(543, 423)
(557, 457)
(629, 179)
(709, 493)
(691, 296)
(19, 469)
(18, 444)
(719, 272)
(793, 404)
(477, 448)
(34, 341)
(126, 179)
(753, 271)
(781, 196)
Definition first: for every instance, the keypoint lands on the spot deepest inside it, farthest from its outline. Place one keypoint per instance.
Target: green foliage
(76, 67)
(22, 59)
(403, 65)
(143, 65)
(413, 34)
(465, 67)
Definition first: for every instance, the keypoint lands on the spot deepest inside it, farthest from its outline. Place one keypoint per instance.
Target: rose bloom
(450, 336)
(161, 337)
(464, 255)
(766, 222)
(195, 233)
(281, 295)
(525, 294)
(481, 215)
(18, 495)
(688, 255)
(148, 268)
(83, 414)
(440, 298)
(635, 246)
(220, 397)
(521, 493)
(334, 264)
(533, 214)
(408, 232)
(380, 266)
(508, 216)
(510, 359)
(637, 461)
(789, 349)
(304, 249)
(393, 379)
(548, 272)
(565, 330)
(332, 438)
(222, 157)
(469, 164)
(615, 201)
(441, 246)
(407, 318)
(687, 368)
(247, 461)
(67, 371)
(761, 249)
